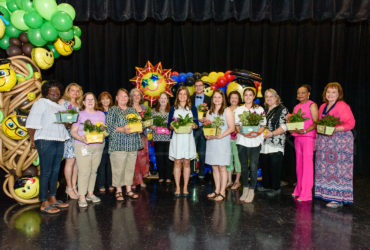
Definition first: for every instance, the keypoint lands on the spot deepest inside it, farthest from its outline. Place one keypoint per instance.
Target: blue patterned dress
(69, 149)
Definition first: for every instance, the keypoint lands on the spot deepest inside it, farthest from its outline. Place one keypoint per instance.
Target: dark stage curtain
(221, 10)
(286, 54)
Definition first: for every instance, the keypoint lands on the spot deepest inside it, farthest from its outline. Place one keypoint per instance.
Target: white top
(42, 119)
(242, 140)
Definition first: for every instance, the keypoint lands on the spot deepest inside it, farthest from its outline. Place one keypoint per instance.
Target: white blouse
(42, 119)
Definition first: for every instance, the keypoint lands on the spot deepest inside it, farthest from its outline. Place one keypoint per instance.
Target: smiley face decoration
(152, 81)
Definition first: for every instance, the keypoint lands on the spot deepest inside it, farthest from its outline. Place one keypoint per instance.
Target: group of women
(122, 160)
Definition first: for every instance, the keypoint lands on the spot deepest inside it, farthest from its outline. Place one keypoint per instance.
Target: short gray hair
(132, 93)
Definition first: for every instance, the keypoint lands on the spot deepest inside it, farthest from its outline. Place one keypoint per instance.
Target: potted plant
(161, 125)
(250, 121)
(202, 109)
(94, 133)
(182, 125)
(67, 116)
(146, 115)
(213, 128)
(134, 123)
(295, 121)
(326, 125)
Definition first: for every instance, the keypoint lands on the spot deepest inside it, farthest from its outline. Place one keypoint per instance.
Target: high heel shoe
(71, 194)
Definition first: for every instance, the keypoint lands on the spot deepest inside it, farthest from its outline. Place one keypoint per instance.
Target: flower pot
(211, 131)
(94, 137)
(148, 123)
(248, 129)
(184, 129)
(295, 125)
(162, 131)
(200, 114)
(325, 130)
(135, 127)
(66, 117)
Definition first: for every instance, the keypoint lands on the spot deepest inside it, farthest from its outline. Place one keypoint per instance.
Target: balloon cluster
(26, 24)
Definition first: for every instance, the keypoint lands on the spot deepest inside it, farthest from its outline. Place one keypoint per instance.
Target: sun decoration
(152, 81)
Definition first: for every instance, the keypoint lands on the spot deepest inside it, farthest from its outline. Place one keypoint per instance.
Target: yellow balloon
(64, 48)
(234, 86)
(208, 91)
(27, 187)
(13, 129)
(191, 90)
(2, 28)
(213, 76)
(205, 79)
(43, 58)
(149, 136)
(220, 74)
(8, 77)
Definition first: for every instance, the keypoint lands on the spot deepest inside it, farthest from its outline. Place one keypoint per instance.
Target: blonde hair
(66, 93)
(274, 93)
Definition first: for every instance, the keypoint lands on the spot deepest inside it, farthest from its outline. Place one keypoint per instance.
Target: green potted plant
(326, 125)
(213, 128)
(146, 115)
(67, 116)
(161, 125)
(182, 125)
(134, 123)
(94, 133)
(202, 109)
(295, 121)
(250, 121)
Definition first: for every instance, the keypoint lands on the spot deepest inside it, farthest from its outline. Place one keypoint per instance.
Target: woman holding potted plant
(218, 151)
(142, 161)
(273, 145)
(123, 144)
(249, 139)
(234, 99)
(71, 99)
(88, 155)
(334, 154)
(161, 137)
(304, 142)
(182, 146)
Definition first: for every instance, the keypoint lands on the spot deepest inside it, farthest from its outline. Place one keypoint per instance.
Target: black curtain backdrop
(222, 10)
(286, 54)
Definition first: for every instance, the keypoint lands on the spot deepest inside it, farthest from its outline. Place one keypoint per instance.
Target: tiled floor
(158, 221)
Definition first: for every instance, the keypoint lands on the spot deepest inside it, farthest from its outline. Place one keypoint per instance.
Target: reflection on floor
(158, 221)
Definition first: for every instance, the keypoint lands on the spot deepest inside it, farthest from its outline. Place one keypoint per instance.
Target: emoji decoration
(17, 158)
(25, 220)
(43, 58)
(64, 48)
(27, 24)
(152, 81)
(7, 76)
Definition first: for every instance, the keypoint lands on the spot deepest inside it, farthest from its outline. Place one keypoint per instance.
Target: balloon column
(26, 25)
(152, 81)
(17, 158)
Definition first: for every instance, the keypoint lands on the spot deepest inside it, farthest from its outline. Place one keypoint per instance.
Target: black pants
(271, 170)
(164, 166)
(104, 177)
(200, 144)
(251, 154)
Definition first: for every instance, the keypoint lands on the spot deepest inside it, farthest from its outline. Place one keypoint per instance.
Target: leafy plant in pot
(326, 125)
(250, 121)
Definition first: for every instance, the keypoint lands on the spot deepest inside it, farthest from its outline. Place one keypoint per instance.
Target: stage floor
(158, 221)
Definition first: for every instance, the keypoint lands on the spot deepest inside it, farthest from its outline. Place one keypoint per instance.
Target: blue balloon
(257, 101)
(175, 78)
(189, 74)
(182, 77)
(223, 89)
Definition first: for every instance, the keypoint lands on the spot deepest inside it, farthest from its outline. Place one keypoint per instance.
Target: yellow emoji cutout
(8, 77)
(14, 125)
(27, 187)
(43, 58)
(64, 48)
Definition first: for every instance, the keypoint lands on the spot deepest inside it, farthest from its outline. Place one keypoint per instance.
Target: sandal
(177, 195)
(111, 189)
(102, 190)
(60, 204)
(229, 185)
(236, 186)
(334, 204)
(132, 195)
(51, 209)
(119, 196)
(212, 195)
(161, 180)
(219, 195)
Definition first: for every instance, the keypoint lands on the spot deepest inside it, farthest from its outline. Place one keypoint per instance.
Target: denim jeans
(200, 143)
(50, 155)
(251, 154)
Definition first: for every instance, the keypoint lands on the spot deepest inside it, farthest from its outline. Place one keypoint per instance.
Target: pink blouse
(305, 108)
(343, 111)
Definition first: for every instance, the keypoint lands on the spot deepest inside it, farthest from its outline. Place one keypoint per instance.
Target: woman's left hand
(268, 134)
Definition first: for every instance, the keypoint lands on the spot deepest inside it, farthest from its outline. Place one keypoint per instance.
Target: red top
(305, 108)
(343, 111)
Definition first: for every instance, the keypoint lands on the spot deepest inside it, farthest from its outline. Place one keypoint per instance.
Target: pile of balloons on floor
(39, 29)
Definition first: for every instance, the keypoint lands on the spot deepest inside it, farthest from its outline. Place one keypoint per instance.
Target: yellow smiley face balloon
(43, 58)
(64, 48)
(27, 187)
(14, 126)
(7, 76)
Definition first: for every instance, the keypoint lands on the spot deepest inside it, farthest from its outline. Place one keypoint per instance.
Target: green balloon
(12, 6)
(3, 3)
(12, 31)
(52, 49)
(18, 21)
(4, 11)
(27, 5)
(67, 35)
(34, 35)
(48, 32)
(33, 20)
(4, 42)
(46, 8)
(76, 31)
(18, 3)
(67, 8)
(61, 21)
(77, 45)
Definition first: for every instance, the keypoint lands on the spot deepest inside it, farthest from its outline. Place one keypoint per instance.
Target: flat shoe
(185, 194)
(93, 199)
(212, 195)
(177, 195)
(82, 203)
(334, 204)
(219, 195)
(119, 196)
(51, 209)
(60, 204)
(132, 195)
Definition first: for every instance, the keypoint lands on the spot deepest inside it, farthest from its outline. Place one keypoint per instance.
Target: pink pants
(304, 147)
